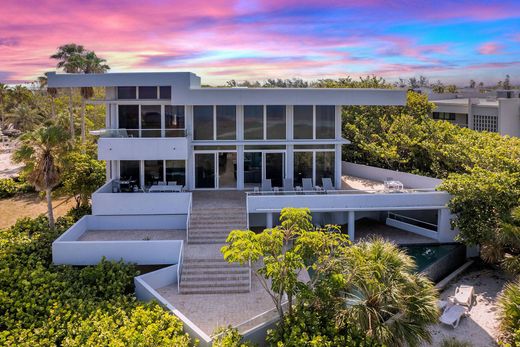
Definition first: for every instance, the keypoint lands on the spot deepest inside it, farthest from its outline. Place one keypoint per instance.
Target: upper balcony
(142, 144)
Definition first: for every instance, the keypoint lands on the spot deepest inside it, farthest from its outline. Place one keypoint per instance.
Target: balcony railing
(124, 133)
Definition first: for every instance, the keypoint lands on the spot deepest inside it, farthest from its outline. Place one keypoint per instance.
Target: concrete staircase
(204, 269)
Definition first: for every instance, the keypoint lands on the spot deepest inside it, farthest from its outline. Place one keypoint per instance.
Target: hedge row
(10, 187)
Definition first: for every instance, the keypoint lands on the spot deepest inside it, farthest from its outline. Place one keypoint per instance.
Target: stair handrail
(188, 217)
(179, 267)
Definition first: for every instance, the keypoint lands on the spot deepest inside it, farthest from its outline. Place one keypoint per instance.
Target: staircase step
(205, 260)
(214, 284)
(214, 271)
(214, 277)
(207, 242)
(211, 265)
(215, 290)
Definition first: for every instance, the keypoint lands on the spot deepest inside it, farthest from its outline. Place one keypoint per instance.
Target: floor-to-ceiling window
(150, 120)
(203, 123)
(325, 166)
(303, 122)
(175, 172)
(129, 170)
(227, 170)
(226, 122)
(252, 169)
(303, 168)
(204, 170)
(315, 162)
(153, 172)
(274, 168)
(128, 118)
(325, 122)
(253, 122)
(173, 121)
(275, 122)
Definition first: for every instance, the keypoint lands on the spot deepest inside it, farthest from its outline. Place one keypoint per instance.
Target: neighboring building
(500, 114)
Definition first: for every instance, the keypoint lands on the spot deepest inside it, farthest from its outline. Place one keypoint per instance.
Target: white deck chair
(453, 314)
(307, 184)
(327, 184)
(464, 295)
(267, 186)
(288, 185)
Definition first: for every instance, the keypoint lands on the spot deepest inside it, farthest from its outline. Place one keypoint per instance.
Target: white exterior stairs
(204, 270)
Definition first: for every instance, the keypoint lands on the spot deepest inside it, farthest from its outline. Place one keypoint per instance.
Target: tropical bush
(10, 187)
(509, 314)
(42, 304)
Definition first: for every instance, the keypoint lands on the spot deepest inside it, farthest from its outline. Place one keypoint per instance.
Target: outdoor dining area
(130, 185)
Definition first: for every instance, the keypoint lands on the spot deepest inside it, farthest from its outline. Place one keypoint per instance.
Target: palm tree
(70, 59)
(39, 152)
(91, 64)
(52, 92)
(385, 298)
(4, 92)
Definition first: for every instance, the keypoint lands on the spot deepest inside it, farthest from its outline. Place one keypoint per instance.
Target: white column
(444, 231)
(269, 220)
(190, 161)
(240, 167)
(289, 168)
(337, 167)
(289, 122)
(351, 225)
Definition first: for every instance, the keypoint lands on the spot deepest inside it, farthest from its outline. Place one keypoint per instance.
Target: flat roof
(187, 90)
(465, 101)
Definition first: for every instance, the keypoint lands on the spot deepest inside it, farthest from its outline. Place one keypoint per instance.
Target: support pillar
(351, 225)
(269, 220)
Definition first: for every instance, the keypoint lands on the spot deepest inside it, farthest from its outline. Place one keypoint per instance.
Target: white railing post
(179, 268)
(250, 285)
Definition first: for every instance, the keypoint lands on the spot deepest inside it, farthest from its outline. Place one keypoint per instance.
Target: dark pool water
(426, 255)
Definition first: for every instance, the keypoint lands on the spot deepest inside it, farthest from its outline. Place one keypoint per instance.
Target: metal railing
(413, 221)
(188, 217)
(126, 133)
(179, 268)
(320, 191)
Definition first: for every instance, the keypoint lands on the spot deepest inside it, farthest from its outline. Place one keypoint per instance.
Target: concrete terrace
(130, 235)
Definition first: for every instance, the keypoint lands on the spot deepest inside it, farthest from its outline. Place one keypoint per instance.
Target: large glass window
(226, 123)
(303, 128)
(325, 122)
(173, 119)
(129, 171)
(150, 120)
(302, 167)
(324, 166)
(203, 122)
(253, 168)
(253, 122)
(126, 93)
(204, 170)
(227, 170)
(276, 120)
(165, 92)
(176, 172)
(153, 172)
(128, 117)
(147, 92)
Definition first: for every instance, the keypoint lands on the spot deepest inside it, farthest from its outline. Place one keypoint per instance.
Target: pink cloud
(489, 48)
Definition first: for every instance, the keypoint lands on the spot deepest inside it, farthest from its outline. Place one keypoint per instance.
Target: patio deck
(367, 228)
(131, 235)
(358, 183)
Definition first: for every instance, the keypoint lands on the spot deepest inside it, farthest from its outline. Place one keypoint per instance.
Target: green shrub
(454, 343)
(10, 187)
(42, 304)
(509, 314)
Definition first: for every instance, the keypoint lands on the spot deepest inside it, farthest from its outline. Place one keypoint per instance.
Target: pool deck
(368, 228)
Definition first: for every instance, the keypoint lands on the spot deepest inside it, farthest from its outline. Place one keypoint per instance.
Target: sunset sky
(252, 39)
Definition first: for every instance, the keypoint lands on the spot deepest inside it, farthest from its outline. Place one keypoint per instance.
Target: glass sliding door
(129, 170)
(153, 172)
(252, 169)
(204, 170)
(227, 170)
(274, 168)
(128, 118)
(303, 162)
(150, 120)
(176, 172)
(324, 166)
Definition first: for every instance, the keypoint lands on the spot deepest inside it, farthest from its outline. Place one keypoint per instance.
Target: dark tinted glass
(150, 121)
(226, 123)
(325, 120)
(147, 92)
(254, 122)
(173, 119)
(252, 168)
(203, 122)
(302, 122)
(302, 167)
(129, 119)
(165, 92)
(275, 122)
(153, 172)
(176, 172)
(126, 92)
(129, 170)
(324, 166)
(204, 170)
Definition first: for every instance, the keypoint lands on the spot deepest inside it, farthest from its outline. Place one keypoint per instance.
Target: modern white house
(500, 114)
(188, 164)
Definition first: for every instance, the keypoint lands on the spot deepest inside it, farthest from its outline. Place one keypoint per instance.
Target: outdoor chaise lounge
(452, 315)
(327, 184)
(307, 184)
(267, 186)
(288, 185)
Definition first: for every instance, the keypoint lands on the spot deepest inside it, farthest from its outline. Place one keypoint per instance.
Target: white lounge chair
(288, 185)
(267, 186)
(452, 315)
(307, 184)
(327, 184)
(464, 295)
